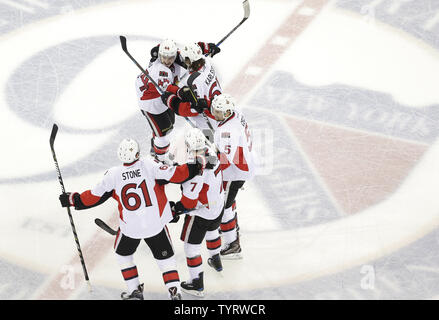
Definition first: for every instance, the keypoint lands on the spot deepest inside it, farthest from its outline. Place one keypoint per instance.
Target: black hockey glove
(205, 162)
(165, 96)
(211, 161)
(213, 49)
(187, 95)
(200, 106)
(177, 209)
(68, 199)
(154, 53)
(175, 216)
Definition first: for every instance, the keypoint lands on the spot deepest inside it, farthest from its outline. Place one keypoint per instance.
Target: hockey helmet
(223, 104)
(194, 140)
(191, 51)
(128, 151)
(168, 52)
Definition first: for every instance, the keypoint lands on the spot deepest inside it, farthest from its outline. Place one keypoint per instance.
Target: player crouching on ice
(233, 139)
(203, 202)
(144, 211)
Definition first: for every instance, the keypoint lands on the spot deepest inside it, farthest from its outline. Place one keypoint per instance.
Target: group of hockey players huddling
(219, 161)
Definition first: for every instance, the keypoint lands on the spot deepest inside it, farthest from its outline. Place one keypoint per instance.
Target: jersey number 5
(126, 196)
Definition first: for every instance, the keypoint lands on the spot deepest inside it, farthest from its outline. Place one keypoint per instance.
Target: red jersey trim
(203, 194)
(181, 173)
(88, 198)
(239, 159)
(173, 89)
(224, 162)
(188, 203)
(184, 110)
(119, 205)
(151, 93)
(159, 191)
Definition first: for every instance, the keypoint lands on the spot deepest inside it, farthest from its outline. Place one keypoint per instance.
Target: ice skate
(215, 262)
(195, 288)
(135, 295)
(232, 251)
(174, 294)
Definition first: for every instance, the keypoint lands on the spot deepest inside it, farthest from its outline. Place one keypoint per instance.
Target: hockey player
(160, 118)
(233, 139)
(144, 211)
(165, 68)
(203, 82)
(203, 202)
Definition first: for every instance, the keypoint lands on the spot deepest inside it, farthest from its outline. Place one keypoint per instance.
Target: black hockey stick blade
(53, 135)
(123, 42)
(101, 224)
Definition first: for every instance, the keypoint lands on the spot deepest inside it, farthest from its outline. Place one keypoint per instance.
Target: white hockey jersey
(233, 138)
(143, 206)
(205, 85)
(204, 193)
(148, 96)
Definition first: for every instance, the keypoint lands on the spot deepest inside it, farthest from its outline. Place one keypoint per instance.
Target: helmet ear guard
(128, 151)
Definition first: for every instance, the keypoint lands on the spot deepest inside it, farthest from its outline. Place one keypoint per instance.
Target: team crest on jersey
(163, 74)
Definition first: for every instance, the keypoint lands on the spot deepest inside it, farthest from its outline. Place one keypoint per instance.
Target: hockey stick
(52, 141)
(246, 6)
(123, 42)
(101, 224)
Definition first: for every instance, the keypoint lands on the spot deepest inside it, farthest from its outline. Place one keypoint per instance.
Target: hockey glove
(177, 209)
(200, 106)
(67, 199)
(154, 53)
(187, 95)
(205, 162)
(213, 49)
(165, 96)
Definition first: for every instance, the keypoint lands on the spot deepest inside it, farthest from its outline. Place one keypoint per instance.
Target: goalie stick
(75, 235)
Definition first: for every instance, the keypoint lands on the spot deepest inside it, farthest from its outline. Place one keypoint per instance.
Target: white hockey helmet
(223, 104)
(167, 51)
(194, 140)
(192, 51)
(128, 151)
